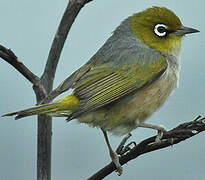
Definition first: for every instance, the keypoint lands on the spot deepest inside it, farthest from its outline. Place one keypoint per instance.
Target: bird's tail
(62, 107)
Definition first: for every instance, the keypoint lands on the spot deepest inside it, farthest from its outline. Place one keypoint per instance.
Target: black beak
(185, 30)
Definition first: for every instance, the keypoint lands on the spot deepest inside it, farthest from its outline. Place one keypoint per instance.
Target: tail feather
(62, 107)
(42, 109)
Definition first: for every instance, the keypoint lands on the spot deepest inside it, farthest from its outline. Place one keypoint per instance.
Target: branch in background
(174, 136)
(42, 86)
(71, 12)
(11, 58)
(44, 122)
(67, 20)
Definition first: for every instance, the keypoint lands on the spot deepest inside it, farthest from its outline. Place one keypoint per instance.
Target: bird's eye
(160, 30)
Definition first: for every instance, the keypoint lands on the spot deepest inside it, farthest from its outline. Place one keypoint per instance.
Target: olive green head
(159, 28)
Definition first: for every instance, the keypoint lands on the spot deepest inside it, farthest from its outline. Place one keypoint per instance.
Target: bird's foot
(161, 131)
(126, 148)
(113, 155)
(115, 159)
(121, 147)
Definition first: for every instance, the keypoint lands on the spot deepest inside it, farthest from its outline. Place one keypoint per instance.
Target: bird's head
(159, 28)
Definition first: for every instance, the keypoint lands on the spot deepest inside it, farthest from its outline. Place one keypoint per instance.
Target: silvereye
(127, 80)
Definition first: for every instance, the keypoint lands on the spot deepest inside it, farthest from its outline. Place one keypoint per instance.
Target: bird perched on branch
(126, 81)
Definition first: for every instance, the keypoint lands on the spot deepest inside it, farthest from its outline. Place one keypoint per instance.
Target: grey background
(28, 27)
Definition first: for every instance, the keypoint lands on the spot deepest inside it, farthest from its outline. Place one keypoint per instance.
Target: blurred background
(28, 28)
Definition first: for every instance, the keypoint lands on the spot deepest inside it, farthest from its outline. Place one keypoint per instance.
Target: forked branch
(42, 86)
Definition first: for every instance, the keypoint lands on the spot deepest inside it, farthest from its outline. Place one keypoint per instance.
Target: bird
(126, 81)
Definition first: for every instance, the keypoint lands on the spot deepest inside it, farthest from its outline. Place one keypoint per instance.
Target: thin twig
(174, 136)
(11, 58)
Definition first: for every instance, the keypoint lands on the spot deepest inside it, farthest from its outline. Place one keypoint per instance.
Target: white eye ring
(158, 32)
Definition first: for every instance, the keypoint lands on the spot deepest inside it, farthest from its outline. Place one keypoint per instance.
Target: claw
(127, 148)
(160, 135)
(122, 143)
(171, 140)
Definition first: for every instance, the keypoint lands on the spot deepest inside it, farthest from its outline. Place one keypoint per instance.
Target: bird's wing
(68, 83)
(103, 85)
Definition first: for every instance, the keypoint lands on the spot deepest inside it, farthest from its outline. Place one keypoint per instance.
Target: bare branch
(174, 136)
(46, 85)
(44, 147)
(11, 58)
(69, 16)
(71, 12)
